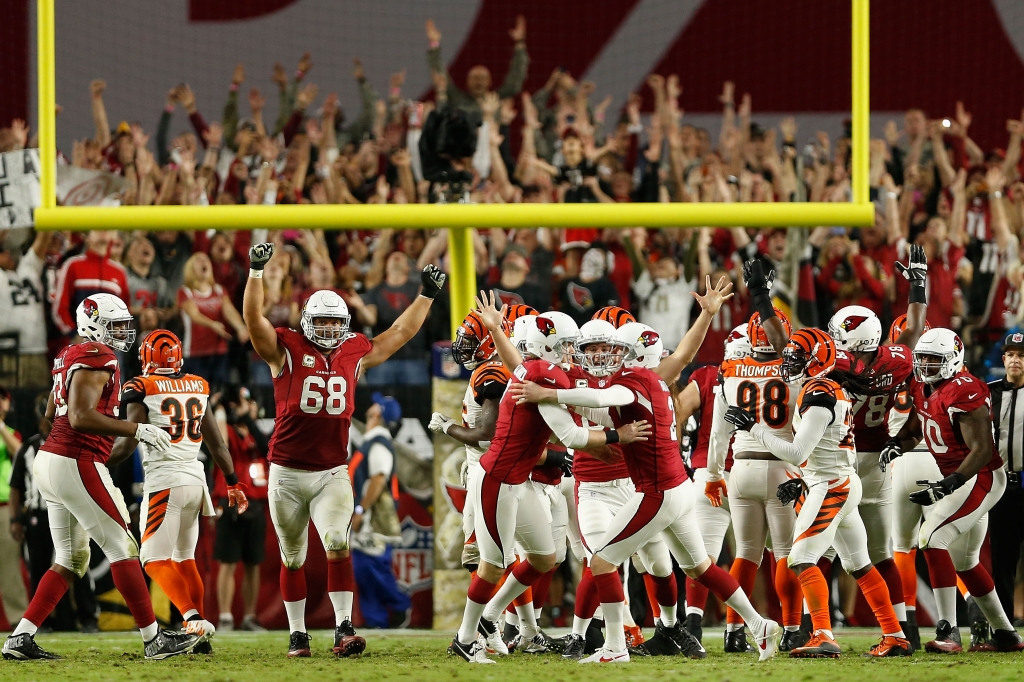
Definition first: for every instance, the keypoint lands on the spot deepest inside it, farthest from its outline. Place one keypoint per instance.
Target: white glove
(440, 423)
(153, 436)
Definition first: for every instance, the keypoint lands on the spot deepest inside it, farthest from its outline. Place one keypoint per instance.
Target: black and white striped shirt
(1008, 422)
(21, 475)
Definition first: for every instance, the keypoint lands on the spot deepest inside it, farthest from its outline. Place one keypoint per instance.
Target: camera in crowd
(446, 147)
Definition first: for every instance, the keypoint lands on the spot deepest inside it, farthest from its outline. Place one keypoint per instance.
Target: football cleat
(604, 655)
(23, 647)
(495, 644)
(634, 635)
(736, 642)
(574, 647)
(687, 643)
(911, 630)
(890, 647)
(593, 638)
(793, 639)
(1002, 640)
(768, 640)
(947, 640)
(554, 645)
(820, 645)
(167, 644)
(298, 645)
(346, 641)
(204, 648)
(536, 645)
(694, 626)
(473, 652)
(204, 629)
(661, 644)
(980, 630)
(509, 634)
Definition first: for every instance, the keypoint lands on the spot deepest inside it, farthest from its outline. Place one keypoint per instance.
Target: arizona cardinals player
(664, 497)
(174, 490)
(827, 495)
(953, 414)
(507, 511)
(315, 374)
(71, 474)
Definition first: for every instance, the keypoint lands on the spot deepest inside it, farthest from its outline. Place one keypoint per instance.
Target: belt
(616, 483)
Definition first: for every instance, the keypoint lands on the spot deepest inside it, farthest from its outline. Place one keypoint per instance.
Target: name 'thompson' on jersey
(487, 382)
(314, 397)
(177, 404)
(64, 440)
(758, 388)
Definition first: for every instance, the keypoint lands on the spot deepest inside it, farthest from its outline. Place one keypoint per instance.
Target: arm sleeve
(516, 75)
(596, 415)
(163, 155)
(812, 427)
(199, 123)
(718, 444)
(613, 396)
(562, 425)
(230, 120)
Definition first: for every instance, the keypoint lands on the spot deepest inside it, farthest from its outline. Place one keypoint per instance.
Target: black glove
(561, 459)
(740, 418)
(759, 285)
(936, 490)
(432, 280)
(259, 254)
(890, 451)
(916, 274)
(791, 490)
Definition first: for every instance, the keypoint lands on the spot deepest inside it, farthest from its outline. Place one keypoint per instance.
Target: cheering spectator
(172, 250)
(583, 295)
(513, 287)
(92, 272)
(21, 310)
(205, 309)
(146, 290)
(663, 295)
(226, 269)
(384, 304)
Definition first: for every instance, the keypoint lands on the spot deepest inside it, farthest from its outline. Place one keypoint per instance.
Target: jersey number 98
(313, 398)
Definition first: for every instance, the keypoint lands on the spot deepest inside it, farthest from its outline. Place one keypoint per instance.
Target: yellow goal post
(460, 219)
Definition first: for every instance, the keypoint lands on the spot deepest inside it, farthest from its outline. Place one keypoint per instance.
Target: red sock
(50, 591)
(665, 589)
(526, 574)
(906, 563)
(130, 582)
(480, 590)
(978, 581)
(586, 595)
(791, 597)
(190, 574)
(696, 594)
(940, 568)
(815, 590)
(876, 593)
(652, 595)
(609, 588)
(339, 575)
(293, 584)
(720, 582)
(890, 573)
(540, 590)
(744, 572)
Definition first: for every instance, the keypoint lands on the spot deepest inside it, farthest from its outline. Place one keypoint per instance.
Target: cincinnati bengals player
(507, 511)
(698, 399)
(827, 495)
(315, 374)
(71, 475)
(664, 497)
(952, 411)
(755, 384)
(174, 490)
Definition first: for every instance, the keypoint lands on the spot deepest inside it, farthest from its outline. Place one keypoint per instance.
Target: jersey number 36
(313, 398)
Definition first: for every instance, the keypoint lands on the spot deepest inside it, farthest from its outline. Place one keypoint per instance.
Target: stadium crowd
(482, 142)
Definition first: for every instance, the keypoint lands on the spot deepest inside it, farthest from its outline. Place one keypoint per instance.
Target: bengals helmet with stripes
(759, 342)
(898, 325)
(160, 353)
(810, 353)
(517, 310)
(473, 343)
(614, 315)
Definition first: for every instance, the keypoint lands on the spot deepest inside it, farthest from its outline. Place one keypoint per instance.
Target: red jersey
(655, 465)
(80, 277)
(733, 312)
(548, 475)
(314, 397)
(199, 340)
(585, 467)
(64, 440)
(892, 367)
(521, 434)
(706, 379)
(936, 406)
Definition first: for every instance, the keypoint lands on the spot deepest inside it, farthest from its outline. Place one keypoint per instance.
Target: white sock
(511, 618)
(228, 616)
(690, 610)
(741, 605)
(509, 591)
(993, 610)
(342, 606)
(598, 613)
(615, 636)
(668, 615)
(25, 627)
(792, 628)
(827, 633)
(527, 620)
(470, 620)
(149, 632)
(901, 612)
(945, 603)
(580, 625)
(627, 616)
(296, 612)
(188, 614)
(733, 627)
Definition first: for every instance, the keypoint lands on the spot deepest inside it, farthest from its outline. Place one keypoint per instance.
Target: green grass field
(421, 657)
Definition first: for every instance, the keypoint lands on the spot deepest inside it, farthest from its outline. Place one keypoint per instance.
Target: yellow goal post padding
(461, 219)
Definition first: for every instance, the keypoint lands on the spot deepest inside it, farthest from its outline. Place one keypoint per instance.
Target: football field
(420, 657)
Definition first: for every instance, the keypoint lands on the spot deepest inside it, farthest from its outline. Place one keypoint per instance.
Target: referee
(1006, 521)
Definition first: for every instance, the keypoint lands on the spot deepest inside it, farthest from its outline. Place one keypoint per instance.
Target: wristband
(255, 274)
(434, 44)
(231, 479)
(954, 480)
(917, 294)
(299, 75)
(763, 305)
(997, 194)
(611, 437)
(358, 509)
(395, 92)
(233, 88)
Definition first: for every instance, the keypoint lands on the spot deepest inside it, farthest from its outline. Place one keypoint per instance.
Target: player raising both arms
(174, 491)
(315, 376)
(71, 474)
